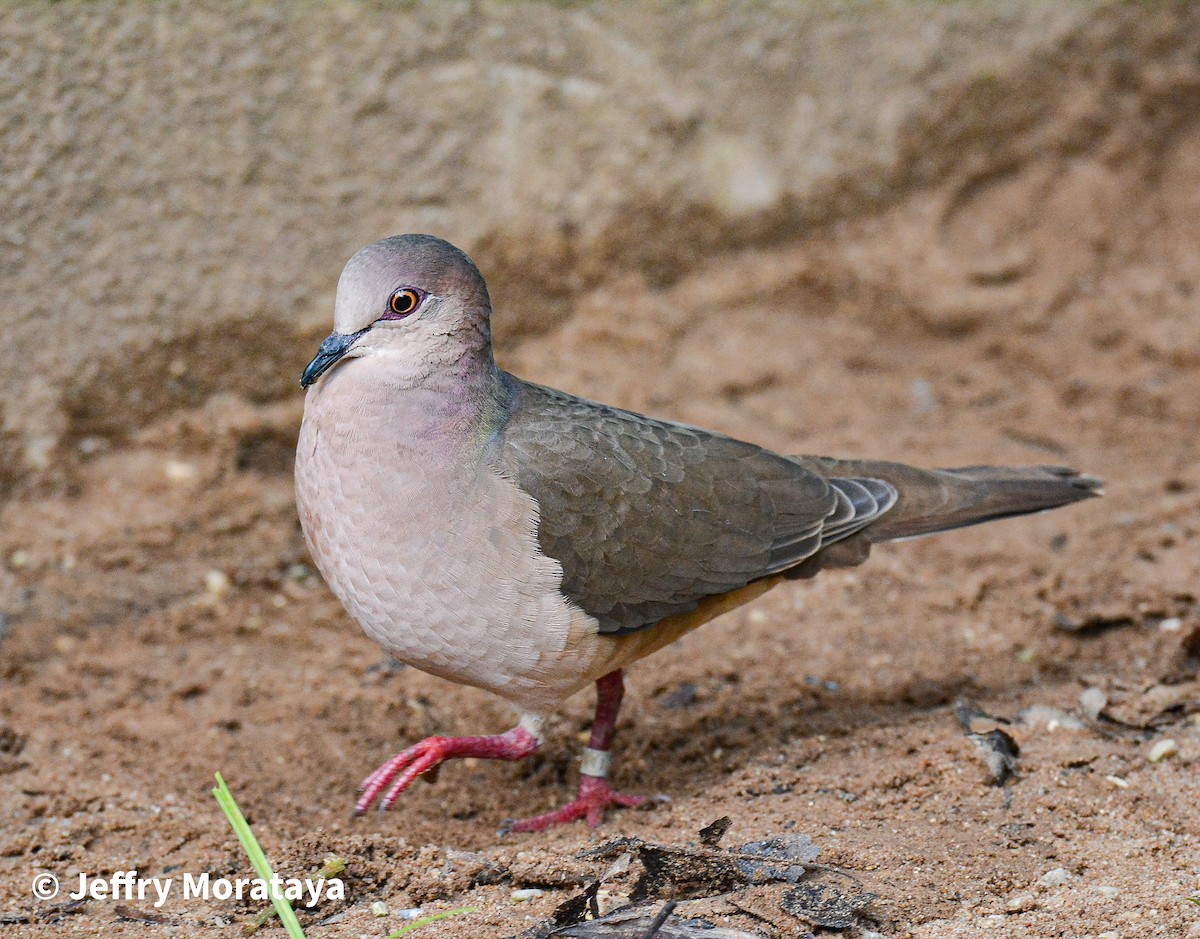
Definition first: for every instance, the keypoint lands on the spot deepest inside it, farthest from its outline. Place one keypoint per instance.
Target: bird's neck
(458, 400)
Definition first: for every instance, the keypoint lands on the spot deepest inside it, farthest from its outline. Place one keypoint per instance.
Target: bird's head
(414, 299)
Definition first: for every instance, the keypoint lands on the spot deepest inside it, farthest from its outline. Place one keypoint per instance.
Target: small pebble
(1194, 932)
(18, 558)
(216, 583)
(1020, 904)
(379, 908)
(531, 893)
(1092, 701)
(1118, 782)
(178, 471)
(1052, 718)
(1105, 891)
(1163, 749)
(1055, 878)
(922, 396)
(1111, 934)
(871, 934)
(1171, 624)
(411, 913)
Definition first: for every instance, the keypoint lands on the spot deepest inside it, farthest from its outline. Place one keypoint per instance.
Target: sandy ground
(169, 625)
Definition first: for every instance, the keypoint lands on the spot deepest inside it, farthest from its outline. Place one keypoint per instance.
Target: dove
(514, 538)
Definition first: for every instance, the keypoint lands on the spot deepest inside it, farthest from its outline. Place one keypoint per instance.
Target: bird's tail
(940, 500)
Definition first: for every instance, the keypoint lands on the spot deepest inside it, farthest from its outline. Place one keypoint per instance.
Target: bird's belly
(440, 565)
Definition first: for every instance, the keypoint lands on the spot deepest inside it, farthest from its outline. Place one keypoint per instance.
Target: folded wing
(648, 517)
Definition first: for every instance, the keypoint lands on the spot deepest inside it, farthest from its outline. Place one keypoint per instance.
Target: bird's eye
(402, 302)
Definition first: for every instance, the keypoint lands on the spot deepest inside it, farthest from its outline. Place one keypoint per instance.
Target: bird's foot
(595, 795)
(399, 772)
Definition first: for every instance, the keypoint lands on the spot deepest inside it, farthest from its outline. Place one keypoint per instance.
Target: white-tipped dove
(522, 540)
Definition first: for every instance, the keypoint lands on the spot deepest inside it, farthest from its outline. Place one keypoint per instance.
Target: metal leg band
(595, 762)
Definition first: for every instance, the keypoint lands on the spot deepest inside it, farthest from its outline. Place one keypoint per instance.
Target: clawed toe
(398, 773)
(595, 796)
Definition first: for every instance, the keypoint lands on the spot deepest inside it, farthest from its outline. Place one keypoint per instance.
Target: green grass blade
(426, 920)
(333, 866)
(258, 859)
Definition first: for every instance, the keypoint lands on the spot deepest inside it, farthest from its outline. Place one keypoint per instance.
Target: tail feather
(941, 500)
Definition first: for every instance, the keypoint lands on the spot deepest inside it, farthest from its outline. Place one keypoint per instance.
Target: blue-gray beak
(332, 349)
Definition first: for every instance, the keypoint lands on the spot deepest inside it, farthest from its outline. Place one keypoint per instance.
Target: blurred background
(941, 233)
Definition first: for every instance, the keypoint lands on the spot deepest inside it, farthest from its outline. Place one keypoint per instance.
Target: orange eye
(403, 301)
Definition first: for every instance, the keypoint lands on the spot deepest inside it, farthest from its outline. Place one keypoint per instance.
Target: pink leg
(427, 755)
(595, 794)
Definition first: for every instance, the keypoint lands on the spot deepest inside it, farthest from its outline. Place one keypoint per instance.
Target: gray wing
(648, 517)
